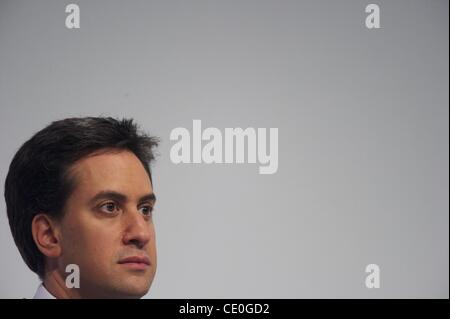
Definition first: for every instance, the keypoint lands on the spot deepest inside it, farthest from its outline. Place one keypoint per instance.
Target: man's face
(107, 229)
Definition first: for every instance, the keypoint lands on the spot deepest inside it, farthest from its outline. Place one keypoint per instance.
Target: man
(79, 197)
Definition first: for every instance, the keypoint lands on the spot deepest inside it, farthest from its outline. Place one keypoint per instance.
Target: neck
(56, 285)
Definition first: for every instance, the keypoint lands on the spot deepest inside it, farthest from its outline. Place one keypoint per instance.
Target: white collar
(42, 293)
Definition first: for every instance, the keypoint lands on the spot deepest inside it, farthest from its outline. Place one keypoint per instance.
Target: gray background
(363, 136)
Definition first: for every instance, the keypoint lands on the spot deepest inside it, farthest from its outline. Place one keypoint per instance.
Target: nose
(138, 231)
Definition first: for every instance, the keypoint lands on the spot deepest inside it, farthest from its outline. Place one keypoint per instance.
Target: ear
(46, 235)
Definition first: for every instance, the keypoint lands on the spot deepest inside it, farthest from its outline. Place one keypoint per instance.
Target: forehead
(116, 170)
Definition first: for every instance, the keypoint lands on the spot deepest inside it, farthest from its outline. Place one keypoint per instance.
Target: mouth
(135, 262)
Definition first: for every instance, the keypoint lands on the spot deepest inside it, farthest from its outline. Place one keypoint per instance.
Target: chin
(134, 287)
(121, 292)
(133, 292)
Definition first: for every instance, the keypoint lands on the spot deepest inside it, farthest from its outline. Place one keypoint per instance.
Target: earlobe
(45, 235)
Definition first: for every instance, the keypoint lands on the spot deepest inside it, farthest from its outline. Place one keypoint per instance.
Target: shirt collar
(42, 293)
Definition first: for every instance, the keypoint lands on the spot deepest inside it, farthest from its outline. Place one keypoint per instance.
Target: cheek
(104, 244)
(88, 241)
(152, 244)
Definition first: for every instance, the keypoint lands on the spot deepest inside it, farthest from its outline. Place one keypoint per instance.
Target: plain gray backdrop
(363, 119)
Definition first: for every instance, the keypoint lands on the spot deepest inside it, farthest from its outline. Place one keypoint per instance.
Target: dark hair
(38, 180)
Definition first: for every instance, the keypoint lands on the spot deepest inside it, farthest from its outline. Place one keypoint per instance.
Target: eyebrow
(119, 197)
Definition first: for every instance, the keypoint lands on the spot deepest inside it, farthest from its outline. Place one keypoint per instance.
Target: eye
(146, 210)
(109, 208)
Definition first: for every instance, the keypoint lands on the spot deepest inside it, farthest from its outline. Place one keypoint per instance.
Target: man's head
(80, 192)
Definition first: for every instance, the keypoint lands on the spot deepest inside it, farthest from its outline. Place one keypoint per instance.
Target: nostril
(136, 242)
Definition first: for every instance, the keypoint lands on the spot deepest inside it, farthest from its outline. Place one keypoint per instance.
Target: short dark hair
(38, 179)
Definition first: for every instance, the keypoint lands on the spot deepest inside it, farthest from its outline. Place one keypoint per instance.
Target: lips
(138, 262)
